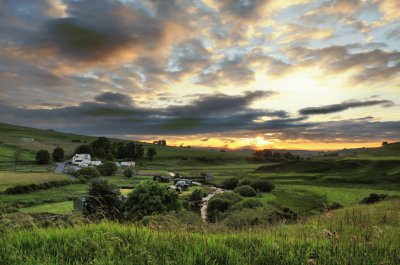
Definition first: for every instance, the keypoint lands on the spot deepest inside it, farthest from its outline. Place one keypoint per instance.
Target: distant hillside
(391, 149)
(32, 139)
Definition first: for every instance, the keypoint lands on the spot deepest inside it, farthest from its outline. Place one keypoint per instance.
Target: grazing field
(56, 208)
(56, 194)
(10, 179)
(358, 235)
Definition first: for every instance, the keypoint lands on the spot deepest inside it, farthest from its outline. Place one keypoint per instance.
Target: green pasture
(64, 207)
(359, 236)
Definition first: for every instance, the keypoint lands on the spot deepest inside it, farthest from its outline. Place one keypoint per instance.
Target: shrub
(246, 191)
(150, 198)
(216, 207)
(103, 201)
(108, 169)
(87, 173)
(22, 189)
(43, 157)
(245, 218)
(374, 198)
(230, 183)
(128, 172)
(245, 182)
(262, 185)
(230, 196)
(247, 204)
(195, 199)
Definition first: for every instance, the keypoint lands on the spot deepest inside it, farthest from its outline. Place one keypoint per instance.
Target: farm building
(128, 164)
(81, 160)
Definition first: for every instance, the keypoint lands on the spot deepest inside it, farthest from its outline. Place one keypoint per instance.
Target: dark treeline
(270, 155)
(104, 148)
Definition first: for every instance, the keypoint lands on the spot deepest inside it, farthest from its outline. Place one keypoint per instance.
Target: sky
(234, 74)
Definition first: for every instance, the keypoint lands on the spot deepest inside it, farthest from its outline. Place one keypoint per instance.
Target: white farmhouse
(81, 160)
(128, 164)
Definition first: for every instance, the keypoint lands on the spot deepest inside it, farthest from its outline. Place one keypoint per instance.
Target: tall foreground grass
(359, 235)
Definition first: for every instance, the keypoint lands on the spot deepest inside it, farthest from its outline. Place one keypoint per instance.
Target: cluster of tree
(43, 156)
(104, 201)
(22, 189)
(104, 148)
(129, 150)
(269, 155)
(160, 142)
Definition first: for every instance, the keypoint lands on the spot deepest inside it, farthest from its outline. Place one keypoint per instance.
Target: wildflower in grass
(311, 262)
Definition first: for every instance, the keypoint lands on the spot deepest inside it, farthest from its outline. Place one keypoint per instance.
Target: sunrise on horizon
(251, 74)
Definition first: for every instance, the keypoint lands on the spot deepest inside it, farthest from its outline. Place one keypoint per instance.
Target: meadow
(357, 235)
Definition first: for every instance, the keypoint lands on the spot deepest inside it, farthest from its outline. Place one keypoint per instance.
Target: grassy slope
(10, 179)
(358, 235)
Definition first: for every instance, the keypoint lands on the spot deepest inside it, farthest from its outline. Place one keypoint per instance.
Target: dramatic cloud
(344, 106)
(237, 68)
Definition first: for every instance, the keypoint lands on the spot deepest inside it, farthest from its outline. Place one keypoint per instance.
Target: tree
(151, 152)
(150, 198)
(102, 147)
(385, 143)
(108, 168)
(120, 150)
(289, 156)
(83, 149)
(43, 157)
(128, 172)
(58, 154)
(130, 150)
(103, 201)
(139, 151)
(17, 155)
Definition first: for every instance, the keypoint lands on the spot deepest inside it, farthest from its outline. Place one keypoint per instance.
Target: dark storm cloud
(112, 112)
(113, 98)
(344, 106)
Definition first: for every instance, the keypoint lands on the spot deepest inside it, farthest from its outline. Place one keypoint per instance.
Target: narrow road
(60, 168)
(205, 200)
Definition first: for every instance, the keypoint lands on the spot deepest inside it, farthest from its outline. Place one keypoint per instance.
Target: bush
(246, 191)
(216, 208)
(195, 199)
(150, 198)
(245, 182)
(247, 204)
(43, 157)
(230, 183)
(87, 173)
(374, 198)
(108, 169)
(128, 172)
(230, 196)
(262, 185)
(245, 218)
(22, 189)
(103, 201)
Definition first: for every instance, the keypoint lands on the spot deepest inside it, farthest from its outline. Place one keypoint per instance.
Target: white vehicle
(95, 163)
